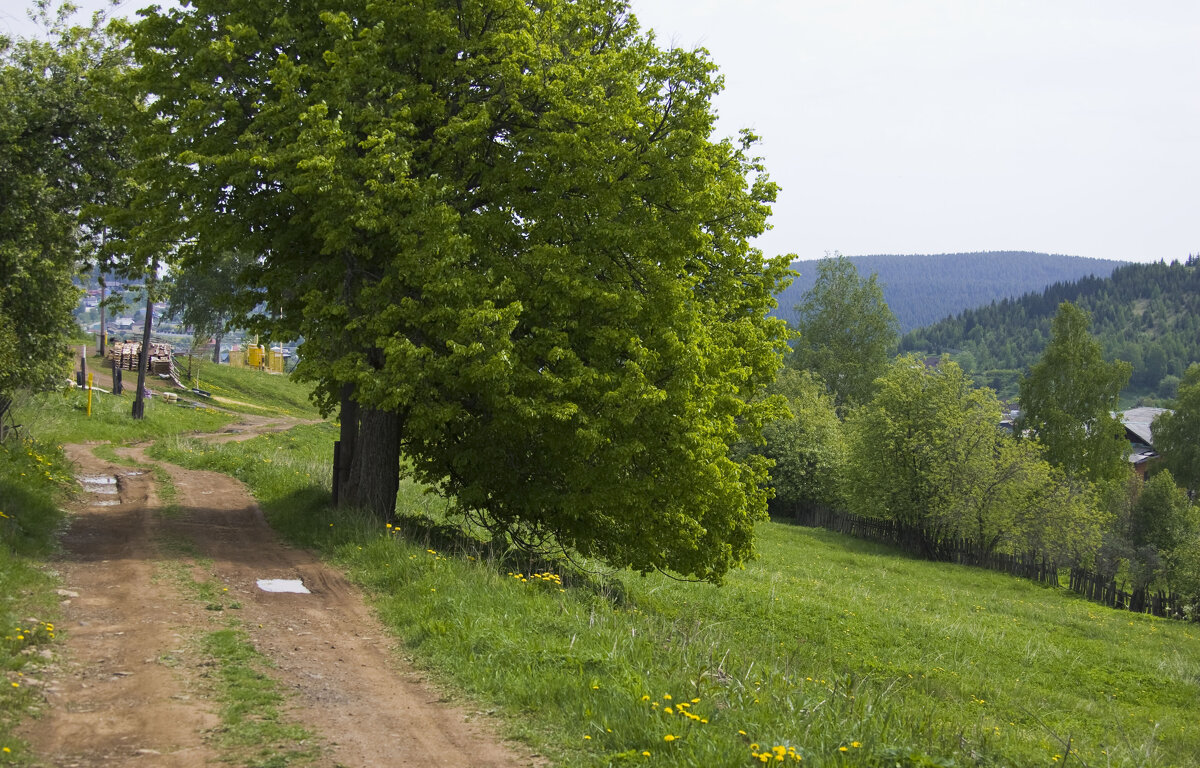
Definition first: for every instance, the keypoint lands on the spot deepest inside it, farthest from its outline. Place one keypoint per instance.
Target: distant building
(1138, 423)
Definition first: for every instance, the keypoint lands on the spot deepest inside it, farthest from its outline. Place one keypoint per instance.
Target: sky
(937, 126)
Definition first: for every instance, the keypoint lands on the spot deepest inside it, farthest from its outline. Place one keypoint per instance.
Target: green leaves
(1177, 433)
(1068, 400)
(507, 223)
(58, 164)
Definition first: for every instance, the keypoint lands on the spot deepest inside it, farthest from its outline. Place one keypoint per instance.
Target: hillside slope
(1146, 314)
(923, 289)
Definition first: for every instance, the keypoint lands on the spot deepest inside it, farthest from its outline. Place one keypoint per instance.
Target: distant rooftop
(1138, 420)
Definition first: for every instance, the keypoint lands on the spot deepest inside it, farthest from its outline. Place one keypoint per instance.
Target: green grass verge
(61, 417)
(826, 648)
(32, 478)
(273, 393)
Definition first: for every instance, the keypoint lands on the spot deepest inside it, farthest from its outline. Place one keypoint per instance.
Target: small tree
(1177, 433)
(807, 446)
(846, 331)
(204, 299)
(1069, 398)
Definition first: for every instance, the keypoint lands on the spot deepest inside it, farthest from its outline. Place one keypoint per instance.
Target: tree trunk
(375, 466)
(347, 438)
(103, 325)
(217, 348)
(139, 402)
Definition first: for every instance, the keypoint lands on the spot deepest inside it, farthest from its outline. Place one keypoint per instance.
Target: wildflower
(645, 753)
(668, 737)
(588, 738)
(843, 749)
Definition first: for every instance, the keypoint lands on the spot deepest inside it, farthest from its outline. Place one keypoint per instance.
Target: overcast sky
(933, 126)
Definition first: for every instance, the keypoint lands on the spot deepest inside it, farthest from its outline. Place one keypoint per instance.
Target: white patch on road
(283, 585)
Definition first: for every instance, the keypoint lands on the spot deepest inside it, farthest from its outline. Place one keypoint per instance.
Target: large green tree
(1069, 400)
(511, 247)
(846, 331)
(57, 162)
(1177, 433)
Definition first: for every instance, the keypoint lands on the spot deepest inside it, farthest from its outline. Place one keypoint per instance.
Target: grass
(827, 649)
(32, 480)
(270, 393)
(254, 731)
(61, 417)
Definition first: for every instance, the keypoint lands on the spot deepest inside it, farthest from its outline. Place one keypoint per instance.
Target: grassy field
(824, 651)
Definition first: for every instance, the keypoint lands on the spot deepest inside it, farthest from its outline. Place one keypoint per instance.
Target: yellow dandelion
(855, 744)
(668, 737)
(645, 753)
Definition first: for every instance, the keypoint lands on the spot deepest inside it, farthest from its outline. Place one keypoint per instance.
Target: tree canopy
(1069, 398)
(808, 445)
(58, 162)
(1177, 433)
(927, 451)
(846, 331)
(505, 226)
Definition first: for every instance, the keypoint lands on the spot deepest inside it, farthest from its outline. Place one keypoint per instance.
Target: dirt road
(133, 686)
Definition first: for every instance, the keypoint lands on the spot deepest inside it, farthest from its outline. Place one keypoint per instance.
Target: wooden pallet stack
(126, 353)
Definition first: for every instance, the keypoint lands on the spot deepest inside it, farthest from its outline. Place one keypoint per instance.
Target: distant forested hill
(924, 289)
(1147, 314)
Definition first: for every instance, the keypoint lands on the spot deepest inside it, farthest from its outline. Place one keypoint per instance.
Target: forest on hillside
(922, 289)
(1145, 314)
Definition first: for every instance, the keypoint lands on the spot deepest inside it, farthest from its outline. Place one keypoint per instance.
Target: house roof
(1137, 423)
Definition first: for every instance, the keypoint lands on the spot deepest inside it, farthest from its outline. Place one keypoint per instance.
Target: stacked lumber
(126, 354)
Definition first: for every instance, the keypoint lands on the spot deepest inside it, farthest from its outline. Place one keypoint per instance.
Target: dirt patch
(131, 690)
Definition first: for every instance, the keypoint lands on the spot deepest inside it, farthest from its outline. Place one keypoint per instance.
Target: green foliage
(820, 643)
(504, 222)
(1068, 400)
(1147, 314)
(1177, 433)
(57, 161)
(846, 332)
(1162, 515)
(927, 451)
(808, 447)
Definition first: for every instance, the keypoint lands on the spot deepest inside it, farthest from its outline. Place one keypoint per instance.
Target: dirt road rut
(131, 688)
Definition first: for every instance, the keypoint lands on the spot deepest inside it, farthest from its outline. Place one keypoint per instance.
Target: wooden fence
(932, 545)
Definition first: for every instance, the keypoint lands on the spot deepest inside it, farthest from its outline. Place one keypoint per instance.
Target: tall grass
(824, 651)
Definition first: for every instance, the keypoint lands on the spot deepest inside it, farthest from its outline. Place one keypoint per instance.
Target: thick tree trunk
(217, 348)
(375, 467)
